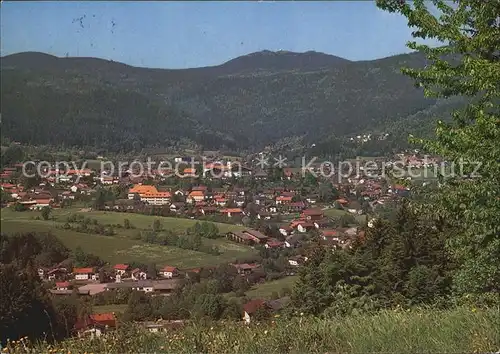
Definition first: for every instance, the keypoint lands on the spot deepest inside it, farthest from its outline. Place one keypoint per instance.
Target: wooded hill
(247, 102)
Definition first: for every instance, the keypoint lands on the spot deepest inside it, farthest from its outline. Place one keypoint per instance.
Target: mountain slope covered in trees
(248, 102)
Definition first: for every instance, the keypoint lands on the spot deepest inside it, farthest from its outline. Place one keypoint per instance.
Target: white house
(121, 269)
(169, 272)
(85, 274)
(138, 274)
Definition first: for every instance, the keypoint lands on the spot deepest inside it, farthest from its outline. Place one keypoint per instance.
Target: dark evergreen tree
(25, 309)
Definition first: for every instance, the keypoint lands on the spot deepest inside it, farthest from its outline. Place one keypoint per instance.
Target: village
(278, 210)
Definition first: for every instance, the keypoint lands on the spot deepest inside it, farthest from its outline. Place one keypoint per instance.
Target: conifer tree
(467, 64)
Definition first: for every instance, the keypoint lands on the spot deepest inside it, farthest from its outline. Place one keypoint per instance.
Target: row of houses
(40, 196)
(121, 271)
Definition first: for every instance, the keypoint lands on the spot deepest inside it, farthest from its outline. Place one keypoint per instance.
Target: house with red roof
(200, 188)
(312, 214)
(95, 324)
(274, 244)
(297, 260)
(196, 196)
(206, 210)
(342, 201)
(138, 274)
(248, 236)
(189, 172)
(121, 268)
(85, 274)
(229, 212)
(282, 199)
(200, 204)
(252, 306)
(63, 285)
(330, 235)
(288, 172)
(169, 272)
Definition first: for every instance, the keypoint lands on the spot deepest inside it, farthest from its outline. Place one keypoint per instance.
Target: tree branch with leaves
(467, 64)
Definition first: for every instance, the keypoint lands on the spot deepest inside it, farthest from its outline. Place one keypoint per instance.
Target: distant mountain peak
(283, 60)
(256, 100)
(29, 59)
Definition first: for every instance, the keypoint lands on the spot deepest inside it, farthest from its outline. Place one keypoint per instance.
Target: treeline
(399, 262)
(39, 114)
(79, 223)
(192, 239)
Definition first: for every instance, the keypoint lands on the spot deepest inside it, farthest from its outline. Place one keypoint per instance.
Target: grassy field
(109, 308)
(121, 247)
(336, 213)
(265, 290)
(420, 331)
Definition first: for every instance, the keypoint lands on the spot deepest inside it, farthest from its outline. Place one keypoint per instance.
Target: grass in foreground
(422, 331)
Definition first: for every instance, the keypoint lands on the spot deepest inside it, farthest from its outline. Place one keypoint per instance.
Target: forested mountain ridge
(248, 102)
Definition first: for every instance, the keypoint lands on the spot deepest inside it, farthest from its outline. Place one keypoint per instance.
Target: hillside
(125, 246)
(247, 102)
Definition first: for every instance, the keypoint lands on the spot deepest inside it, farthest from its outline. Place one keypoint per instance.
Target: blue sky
(194, 34)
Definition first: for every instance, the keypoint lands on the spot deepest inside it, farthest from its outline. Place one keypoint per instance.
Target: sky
(195, 34)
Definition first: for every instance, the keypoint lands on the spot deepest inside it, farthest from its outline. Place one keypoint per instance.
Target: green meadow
(125, 246)
(266, 290)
